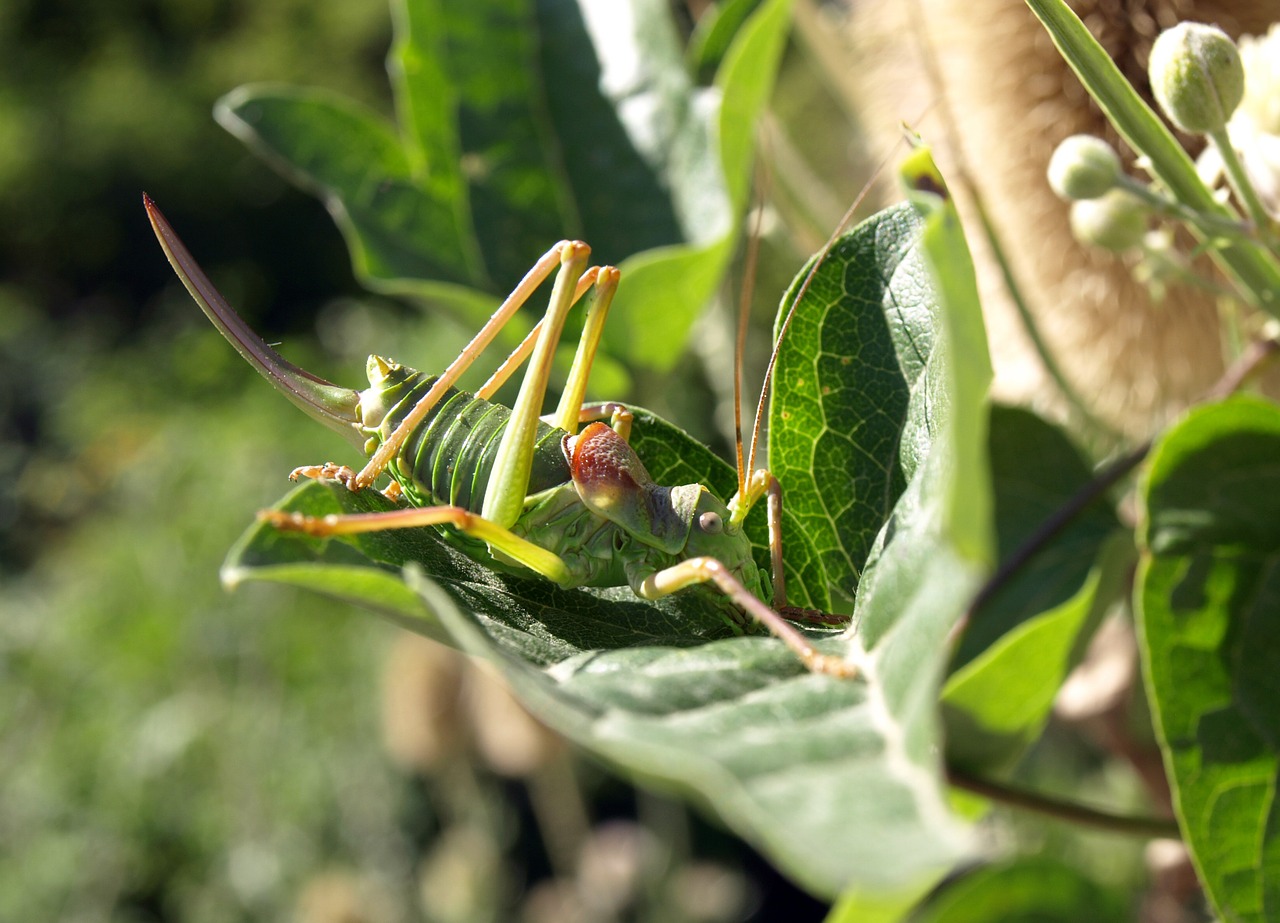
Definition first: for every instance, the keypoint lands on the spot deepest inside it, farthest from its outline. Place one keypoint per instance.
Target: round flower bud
(1116, 221)
(1196, 76)
(1083, 167)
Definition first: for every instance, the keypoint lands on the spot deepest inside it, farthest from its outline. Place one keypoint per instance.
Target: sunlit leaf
(1209, 594)
(666, 692)
(1021, 643)
(521, 122)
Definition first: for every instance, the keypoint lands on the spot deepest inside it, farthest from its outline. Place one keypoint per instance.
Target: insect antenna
(745, 293)
(821, 258)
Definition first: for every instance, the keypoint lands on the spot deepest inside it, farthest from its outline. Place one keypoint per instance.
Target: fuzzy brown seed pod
(1135, 361)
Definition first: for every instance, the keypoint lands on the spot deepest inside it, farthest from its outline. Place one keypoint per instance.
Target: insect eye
(711, 523)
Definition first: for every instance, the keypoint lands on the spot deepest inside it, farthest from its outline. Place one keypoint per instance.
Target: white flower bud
(1196, 76)
(1116, 221)
(1083, 167)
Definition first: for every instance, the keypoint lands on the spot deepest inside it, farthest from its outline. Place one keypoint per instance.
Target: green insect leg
(505, 495)
(569, 412)
(619, 416)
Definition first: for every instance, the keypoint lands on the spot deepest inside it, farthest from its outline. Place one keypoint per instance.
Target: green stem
(1209, 225)
(1239, 180)
(1032, 328)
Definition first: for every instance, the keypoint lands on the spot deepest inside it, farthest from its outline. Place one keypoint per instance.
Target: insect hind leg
(548, 263)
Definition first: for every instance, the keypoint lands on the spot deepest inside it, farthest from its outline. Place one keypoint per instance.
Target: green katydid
(574, 506)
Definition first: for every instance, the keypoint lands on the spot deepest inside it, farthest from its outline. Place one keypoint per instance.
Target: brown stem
(1153, 827)
(1248, 365)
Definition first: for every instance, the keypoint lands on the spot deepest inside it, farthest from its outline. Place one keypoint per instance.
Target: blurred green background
(170, 751)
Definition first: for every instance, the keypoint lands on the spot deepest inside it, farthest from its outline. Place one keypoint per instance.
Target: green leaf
(996, 705)
(1022, 641)
(1209, 591)
(522, 122)
(859, 905)
(664, 289)
(352, 159)
(786, 758)
(715, 30)
(962, 405)
(928, 560)
(846, 424)
(471, 90)
(1025, 891)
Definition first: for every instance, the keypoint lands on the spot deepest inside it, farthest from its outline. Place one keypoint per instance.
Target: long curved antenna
(334, 406)
(744, 312)
(800, 293)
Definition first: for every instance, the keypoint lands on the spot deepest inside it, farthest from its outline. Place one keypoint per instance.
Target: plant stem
(1258, 353)
(1256, 270)
(1063, 515)
(1239, 180)
(1155, 827)
(1209, 225)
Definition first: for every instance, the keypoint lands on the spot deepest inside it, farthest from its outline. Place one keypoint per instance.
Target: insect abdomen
(449, 458)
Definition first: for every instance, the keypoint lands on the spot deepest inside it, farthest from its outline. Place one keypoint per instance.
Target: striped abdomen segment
(449, 458)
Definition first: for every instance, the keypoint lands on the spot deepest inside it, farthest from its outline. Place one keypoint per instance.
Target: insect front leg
(344, 475)
(619, 416)
(710, 570)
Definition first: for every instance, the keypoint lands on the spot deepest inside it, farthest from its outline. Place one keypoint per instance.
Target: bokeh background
(169, 751)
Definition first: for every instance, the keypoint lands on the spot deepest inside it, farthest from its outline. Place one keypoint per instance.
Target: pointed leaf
(847, 421)
(787, 758)
(1209, 593)
(352, 159)
(1021, 643)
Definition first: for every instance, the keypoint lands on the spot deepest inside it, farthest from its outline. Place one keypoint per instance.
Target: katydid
(575, 506)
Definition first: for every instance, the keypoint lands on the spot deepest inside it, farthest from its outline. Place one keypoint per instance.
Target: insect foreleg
(762, 483)
(330, 471)
(709, 570)
(498, 538)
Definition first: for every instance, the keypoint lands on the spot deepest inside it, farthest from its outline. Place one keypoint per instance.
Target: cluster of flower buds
(1205, 85)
